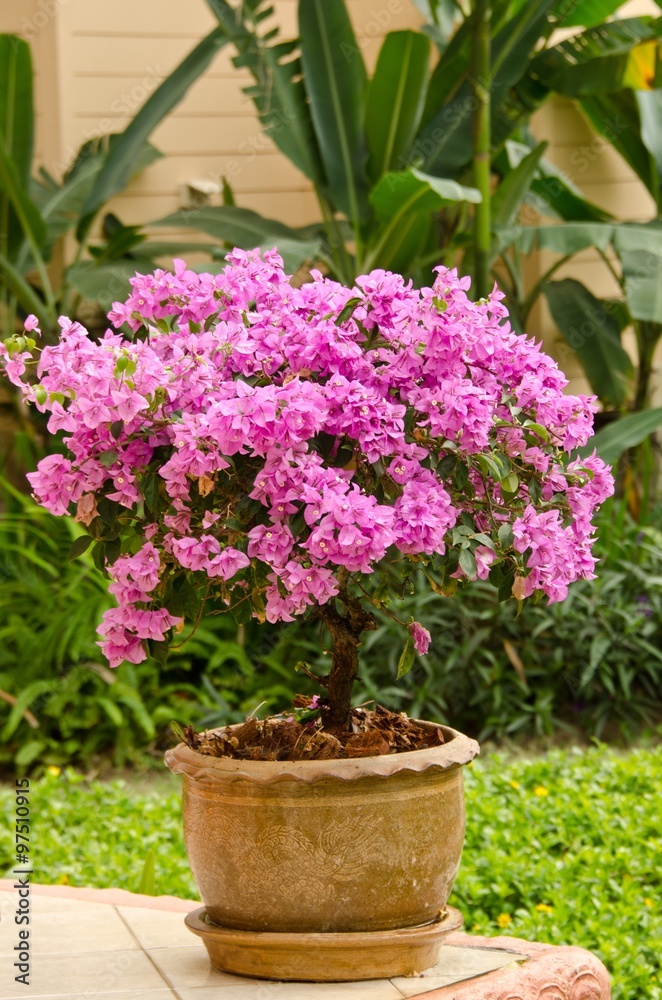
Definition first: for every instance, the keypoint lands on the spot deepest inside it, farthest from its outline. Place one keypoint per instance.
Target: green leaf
(107, 282)
(25, 294)
(562, 198)
(118, 168)
(413, 191)
(515, 186)
(592, 330)
(242, 612)
(446, 466)
(396, 98)
(446, 137)
(147, 884)
(566, 238)
(407, 658)
(111, 710)
(28, 752)
(634, 236)
(61, 204)
(151, 491)
(27, 214)
(278, 92)
(335, 81)
(241, 227)
(649, 103)
(510, 484)
(586, 13)
(627, 432)
(506, 536)
(79, 546)
(616, 118)
(643, 288)
(611, 57)
(405, 201)
(187, 598)
(24, 699)
(461, 475)
(347, 310)
(16, 112)
(468, 563)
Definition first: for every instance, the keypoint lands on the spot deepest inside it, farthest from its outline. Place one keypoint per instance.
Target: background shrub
(592, 663)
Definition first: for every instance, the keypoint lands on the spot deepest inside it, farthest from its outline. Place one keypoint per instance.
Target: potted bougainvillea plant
(240, 444)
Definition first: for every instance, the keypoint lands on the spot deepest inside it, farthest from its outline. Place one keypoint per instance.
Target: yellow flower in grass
(55, 771)
(648, 901)
(544, 908)
(504, 919)
(540, 791)
(514, 784)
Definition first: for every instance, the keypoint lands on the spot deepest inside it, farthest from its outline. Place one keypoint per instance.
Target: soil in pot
(288, 738)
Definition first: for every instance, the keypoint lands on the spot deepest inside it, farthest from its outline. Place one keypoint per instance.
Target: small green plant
(59, 702)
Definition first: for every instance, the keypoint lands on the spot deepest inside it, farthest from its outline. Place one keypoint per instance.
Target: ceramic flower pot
(365, 847)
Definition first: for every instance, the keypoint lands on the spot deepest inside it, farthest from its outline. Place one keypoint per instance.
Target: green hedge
(592, 663)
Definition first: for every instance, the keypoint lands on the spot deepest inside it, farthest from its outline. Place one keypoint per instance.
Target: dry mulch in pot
(373, 734)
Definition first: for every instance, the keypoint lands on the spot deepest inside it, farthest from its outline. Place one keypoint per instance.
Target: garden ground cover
(563, 848)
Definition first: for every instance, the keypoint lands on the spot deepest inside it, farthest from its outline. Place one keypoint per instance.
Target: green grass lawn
(564, 848)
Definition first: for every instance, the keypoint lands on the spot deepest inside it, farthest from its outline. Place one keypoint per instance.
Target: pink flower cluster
(276, 444)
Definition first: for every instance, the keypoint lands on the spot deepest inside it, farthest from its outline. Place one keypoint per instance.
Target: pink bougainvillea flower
(273, 448)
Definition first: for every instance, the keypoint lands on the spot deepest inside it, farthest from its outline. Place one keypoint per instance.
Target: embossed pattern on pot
(370, 853)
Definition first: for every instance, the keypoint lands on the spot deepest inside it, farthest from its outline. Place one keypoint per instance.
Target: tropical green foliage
(392, 158)
(592, 663)
(36, 212)
(562, 849)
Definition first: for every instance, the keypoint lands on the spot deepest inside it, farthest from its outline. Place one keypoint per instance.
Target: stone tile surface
(84, 949)
(454, 966)
(92, 974)
(163, 994)
(189, 968)
(379, 989)
(157, 928)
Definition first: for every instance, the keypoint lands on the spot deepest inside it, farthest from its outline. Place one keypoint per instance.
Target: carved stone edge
(551, 972)
(457, 751)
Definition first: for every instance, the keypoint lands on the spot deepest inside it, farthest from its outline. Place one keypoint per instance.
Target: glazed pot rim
(458, 750)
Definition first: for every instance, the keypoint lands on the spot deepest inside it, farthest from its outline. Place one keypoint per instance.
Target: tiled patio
(112, 945)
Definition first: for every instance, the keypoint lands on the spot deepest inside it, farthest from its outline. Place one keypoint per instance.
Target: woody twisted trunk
(345, 630)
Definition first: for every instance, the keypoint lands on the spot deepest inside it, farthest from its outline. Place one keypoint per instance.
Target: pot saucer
(323, 957)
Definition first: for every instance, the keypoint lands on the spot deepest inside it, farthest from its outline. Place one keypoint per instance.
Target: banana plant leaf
(586, 13)
(404, 202)
(568, 238)
(16, 136)
(106, 282)
(278, 91)
(28, 216)
(16, 114)
(336, 81)
(616, 117)
(119, 165)
(515, 186)
(627, 432)
(396, 98)
(240, 227)
(592, 328)
(614, 56)
(230, 224)
(447, 134)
